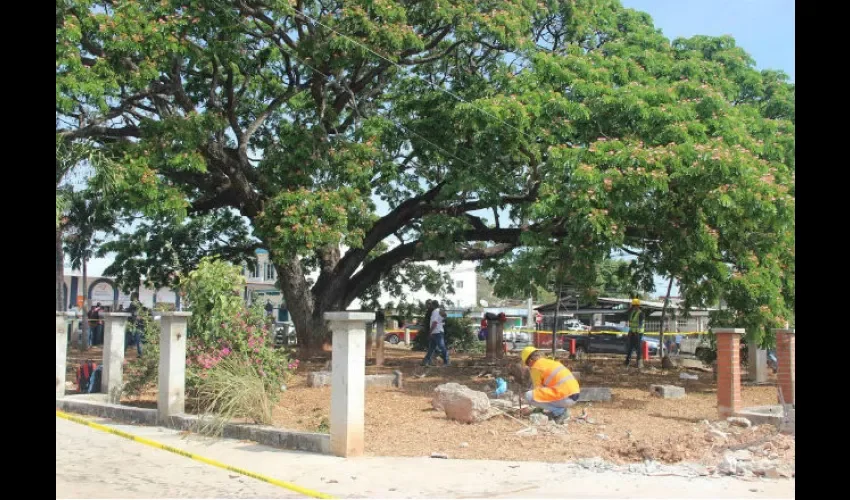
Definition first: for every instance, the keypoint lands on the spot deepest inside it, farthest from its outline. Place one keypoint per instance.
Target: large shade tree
(487, 128)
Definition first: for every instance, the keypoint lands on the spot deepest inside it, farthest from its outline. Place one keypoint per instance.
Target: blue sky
(764, 28)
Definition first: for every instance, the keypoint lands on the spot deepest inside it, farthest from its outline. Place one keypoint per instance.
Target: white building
(103, 289)
(464, 281)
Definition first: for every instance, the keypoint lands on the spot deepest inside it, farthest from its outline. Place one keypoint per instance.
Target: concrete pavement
(94, 464)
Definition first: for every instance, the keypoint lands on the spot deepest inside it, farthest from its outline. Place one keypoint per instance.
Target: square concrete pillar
(113, 355)
(171, 398)
(757, 365)
(348, 381)
(370, 330)
(61, 350)
(728, 370)
(787, 365)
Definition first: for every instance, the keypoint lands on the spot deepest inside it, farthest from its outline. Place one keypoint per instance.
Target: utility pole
(663, 315)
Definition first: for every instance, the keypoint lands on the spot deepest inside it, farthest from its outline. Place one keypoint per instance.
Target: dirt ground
(633, 427)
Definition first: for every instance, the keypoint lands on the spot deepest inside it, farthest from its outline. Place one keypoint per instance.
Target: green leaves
(573, 123)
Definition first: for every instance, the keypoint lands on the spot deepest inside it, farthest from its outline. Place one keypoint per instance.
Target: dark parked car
(608, 340)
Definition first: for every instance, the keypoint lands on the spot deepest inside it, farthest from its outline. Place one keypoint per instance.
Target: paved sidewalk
(137, 470)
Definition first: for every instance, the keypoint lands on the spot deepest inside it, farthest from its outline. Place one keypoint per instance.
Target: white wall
(464, 280)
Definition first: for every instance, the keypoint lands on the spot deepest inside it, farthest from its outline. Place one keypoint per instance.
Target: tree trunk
(61, 300)
(85, 340)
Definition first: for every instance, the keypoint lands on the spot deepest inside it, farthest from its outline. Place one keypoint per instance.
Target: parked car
(576, 325)
(397, 335)
(607, 340)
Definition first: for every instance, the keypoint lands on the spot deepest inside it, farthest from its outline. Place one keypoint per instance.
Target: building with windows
(104, 290)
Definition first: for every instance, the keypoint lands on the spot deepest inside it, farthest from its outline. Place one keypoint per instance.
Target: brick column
(728, 370)
(785, 359)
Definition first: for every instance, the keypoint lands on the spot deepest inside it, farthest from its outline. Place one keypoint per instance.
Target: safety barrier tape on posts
(208, 461)
(614, 332)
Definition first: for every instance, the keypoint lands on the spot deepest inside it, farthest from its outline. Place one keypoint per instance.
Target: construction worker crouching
(555, 388)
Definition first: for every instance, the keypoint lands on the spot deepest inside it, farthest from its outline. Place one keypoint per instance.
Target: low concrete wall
(95, 405)
(773, 415)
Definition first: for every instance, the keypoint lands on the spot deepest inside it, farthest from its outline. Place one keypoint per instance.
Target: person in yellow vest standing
(636, 322)
(555, 388)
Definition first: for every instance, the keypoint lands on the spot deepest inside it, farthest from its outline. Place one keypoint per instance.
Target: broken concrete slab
(318, 379)
(667, 391)
(589, 394)
(782, 418)
(323, 378)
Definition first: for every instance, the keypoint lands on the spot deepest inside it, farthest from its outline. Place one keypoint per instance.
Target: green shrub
(233, 389)
(224, 338)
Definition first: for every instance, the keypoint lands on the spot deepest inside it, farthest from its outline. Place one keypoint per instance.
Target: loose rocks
(538, 419)
(739, 421)
(728, 466)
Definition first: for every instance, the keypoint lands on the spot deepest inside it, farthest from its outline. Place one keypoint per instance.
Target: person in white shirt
(437, 337)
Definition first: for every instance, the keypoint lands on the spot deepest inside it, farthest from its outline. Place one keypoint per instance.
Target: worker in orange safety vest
(555, 387)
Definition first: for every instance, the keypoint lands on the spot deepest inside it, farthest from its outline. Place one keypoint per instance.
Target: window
(269, 274)
(458, 284)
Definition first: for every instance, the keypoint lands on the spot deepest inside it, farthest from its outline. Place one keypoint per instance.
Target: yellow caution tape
(208, 461)
(614, 332)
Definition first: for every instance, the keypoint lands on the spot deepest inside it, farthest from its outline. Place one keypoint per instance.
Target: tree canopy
(483, 130)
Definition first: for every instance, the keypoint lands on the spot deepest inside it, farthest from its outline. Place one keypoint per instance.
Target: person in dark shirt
(137, 324)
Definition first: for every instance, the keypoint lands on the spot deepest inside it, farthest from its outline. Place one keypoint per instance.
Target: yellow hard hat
(526, 353)
(635, 302)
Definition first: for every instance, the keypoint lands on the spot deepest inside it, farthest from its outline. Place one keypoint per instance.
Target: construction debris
(739, 421)
(538, 419)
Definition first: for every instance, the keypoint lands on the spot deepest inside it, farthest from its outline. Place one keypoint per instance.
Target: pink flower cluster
(293, 365)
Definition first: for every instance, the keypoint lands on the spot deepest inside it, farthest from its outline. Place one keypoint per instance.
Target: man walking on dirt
(437, 336)
(636, 322)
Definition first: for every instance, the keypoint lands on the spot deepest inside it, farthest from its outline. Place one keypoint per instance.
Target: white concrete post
(369, 339)
(407, 336)
(172, 364)
(61, 351)
(114, 343)
(348, 381)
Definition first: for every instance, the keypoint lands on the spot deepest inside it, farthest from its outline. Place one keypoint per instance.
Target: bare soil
(634, 426)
